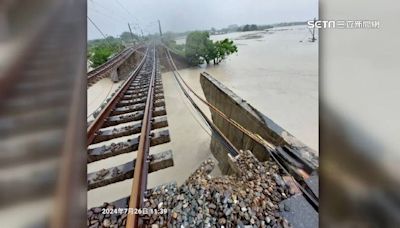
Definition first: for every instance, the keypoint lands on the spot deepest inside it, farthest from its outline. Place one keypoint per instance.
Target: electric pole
(133, 41)
(313, 39)
(159, 27)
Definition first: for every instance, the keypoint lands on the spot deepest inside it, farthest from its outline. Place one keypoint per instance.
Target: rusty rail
(138, 111)
(100, 119)
(142, 162)
(110, 64)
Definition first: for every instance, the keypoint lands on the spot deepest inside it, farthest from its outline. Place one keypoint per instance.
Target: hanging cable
(98, 29)
(221, 138)
(130, 15)
(309, 195)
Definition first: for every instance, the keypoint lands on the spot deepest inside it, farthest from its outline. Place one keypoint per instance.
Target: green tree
(213, 30)
(246, 28)
(253, 27)
(100, 50)
(100, 56)
(223, 48)
(200, 48)
(127, 37)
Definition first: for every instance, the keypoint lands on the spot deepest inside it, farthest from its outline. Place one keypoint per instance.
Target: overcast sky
(112, 16)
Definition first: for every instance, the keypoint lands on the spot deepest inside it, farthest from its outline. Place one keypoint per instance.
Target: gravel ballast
(249, 198)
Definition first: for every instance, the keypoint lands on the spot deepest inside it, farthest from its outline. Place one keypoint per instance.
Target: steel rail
(142, 162)
(101, 118)
(107, 65)
(119, 58)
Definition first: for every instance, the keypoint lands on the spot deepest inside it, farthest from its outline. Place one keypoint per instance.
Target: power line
(116, 14)
(98, 29)
(127, 11)
(94, 10)
(137, 24)
(119, 3)
(121, 17)
(130, 15)
(111, 10)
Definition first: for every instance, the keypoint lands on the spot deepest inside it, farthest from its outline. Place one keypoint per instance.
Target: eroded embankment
(253, 191)
(249, 197)
(118, 68)
(180, 61)
(248, 129)
(251, 119)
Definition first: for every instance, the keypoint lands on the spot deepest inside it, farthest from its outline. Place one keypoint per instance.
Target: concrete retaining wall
(247, 116)
(121, 71)
(130, 64)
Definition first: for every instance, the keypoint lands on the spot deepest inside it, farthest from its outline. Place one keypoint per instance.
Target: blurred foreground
(359, 116)
(43, 118)
(42, 113)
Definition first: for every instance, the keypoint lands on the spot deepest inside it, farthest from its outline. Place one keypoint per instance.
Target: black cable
(309, 195)
(230, 148)
(105, 38)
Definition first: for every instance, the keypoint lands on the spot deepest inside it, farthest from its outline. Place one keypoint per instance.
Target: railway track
(133, 121)
(101, 71)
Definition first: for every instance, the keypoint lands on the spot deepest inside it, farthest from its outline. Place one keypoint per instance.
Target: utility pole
(313, 39)
(130, 30)
(159, 27)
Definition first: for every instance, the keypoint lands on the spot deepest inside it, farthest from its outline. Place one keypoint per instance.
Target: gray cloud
(182, 15)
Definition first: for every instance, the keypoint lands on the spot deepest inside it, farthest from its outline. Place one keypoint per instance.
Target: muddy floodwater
(276, 71)
(273, 71)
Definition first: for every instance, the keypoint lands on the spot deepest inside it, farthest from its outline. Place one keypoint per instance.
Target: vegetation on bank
(252, 27)
(100, 50)
(169, 39)
(199, 48)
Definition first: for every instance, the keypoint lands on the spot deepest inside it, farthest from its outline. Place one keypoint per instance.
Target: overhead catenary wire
(116, 14)
(126, 10)
(101, 32)
(108, 16)
(136, 24)
(110, 9)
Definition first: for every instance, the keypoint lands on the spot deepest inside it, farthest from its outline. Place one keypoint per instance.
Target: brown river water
(277, 74)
